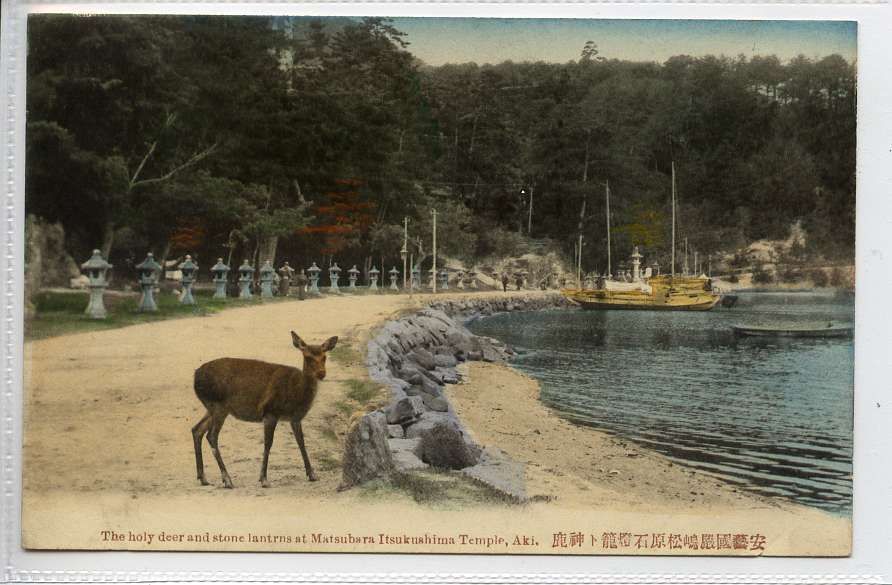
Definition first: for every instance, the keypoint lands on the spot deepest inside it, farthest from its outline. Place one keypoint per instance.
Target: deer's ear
(298, 342)
(330, 343)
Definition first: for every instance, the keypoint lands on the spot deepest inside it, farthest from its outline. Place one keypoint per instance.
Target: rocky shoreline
(416, 357)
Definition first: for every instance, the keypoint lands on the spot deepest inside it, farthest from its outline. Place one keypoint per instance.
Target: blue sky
(490, 40)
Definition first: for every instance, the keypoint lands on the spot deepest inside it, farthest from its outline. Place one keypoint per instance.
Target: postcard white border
(871, 561)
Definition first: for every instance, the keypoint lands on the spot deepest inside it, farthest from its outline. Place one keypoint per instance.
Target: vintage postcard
(552, 286)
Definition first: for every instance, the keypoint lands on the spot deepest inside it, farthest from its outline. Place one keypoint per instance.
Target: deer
(256, 391)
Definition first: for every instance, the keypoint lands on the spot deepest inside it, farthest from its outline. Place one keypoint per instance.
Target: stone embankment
(416, 357)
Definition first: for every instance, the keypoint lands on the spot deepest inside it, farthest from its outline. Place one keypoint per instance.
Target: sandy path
(108, 447)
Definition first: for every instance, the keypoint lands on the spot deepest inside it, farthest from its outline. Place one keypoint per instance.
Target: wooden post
(607, 193)
(673, 219)
(434, 213)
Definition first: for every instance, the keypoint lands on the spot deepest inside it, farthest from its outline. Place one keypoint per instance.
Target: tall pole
(405, 247)
(530, 217)
(579, 265)
(434, 279)
(673, 219)
(607, 193)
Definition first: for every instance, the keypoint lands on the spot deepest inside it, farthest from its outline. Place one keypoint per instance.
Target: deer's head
(314, 355)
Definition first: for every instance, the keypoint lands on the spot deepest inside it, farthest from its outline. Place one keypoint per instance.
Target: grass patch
(344, 353)
(344, 407)
(62, 313)
(362, 391)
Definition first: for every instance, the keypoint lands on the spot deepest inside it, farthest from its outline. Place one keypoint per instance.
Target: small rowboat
(828, 330)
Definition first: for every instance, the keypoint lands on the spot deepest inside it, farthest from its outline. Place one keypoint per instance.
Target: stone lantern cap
(374, 271)
(353, 271)
(394, 271)
(219, 266)
(96, 262)
(188, 264)
(246, 267)
(267, 268)
(334, 268)
(635, 253)
(314, 269)
(149, 264)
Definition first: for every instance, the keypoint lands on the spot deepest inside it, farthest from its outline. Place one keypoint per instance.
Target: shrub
(819, 278)
(762, 276)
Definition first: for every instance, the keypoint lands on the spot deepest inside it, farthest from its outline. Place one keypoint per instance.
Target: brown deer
(255, 391)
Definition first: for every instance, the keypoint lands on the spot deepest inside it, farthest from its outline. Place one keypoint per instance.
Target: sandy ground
(108, 456)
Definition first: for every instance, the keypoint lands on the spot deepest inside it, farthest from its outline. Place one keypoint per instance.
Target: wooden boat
(658, 298)
(658, 293)
(828, 331)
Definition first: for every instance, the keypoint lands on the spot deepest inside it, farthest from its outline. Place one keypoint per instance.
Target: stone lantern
(394, 274)
(588, 282)
(373, 278)
(286, 273)
(334, 275)
(188, 268)
(96, 268)
(148, 277)
(432, 283)
(313, 272)
(267, 277)
(352, 275)
(416, 278)
(444, 279)
(636, 264)
(220, 271)
(472, 277)
(656, 268)
(460, 279)
(245, 278)
(525, 275)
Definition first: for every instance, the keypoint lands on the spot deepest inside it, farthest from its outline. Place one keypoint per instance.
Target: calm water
(774, 416)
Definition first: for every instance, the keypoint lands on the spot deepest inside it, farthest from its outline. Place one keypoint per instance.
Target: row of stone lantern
(97, 268)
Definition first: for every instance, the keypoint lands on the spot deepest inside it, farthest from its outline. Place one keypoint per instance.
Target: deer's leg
(198, 432)
(269, 429)
(217, 420)
(299, 435)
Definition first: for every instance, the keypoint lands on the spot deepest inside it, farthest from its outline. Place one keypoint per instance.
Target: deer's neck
(308, 383)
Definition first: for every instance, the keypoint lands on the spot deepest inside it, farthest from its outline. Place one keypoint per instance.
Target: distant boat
(826, 331)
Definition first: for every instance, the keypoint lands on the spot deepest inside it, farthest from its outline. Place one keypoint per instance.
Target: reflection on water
(772, 415)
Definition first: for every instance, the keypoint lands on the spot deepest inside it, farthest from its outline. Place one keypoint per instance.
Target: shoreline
(126, 461)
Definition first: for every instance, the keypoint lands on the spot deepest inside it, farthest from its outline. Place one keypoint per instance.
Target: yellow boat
(660, 294)
(657, 293)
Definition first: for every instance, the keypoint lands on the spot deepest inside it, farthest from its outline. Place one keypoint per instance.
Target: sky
(489, 40)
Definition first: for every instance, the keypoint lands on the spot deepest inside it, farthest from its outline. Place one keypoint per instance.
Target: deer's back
(240, 385)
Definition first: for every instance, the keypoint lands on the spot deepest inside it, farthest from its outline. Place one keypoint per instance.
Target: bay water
(770, 415)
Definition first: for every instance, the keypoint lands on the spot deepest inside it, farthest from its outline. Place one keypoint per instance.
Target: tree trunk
(268, 247)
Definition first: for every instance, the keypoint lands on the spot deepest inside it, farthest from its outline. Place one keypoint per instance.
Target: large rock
(429, 421)
(434, 403)
(445, 361)
(366, 452)
(423, 358)
(405, 410)
(444, 447)
(501, 473)
(405, 454)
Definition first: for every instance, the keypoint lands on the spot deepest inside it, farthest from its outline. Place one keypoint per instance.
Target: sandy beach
(108, 454)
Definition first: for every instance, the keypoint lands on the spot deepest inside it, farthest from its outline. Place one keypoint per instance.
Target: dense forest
(312, 140)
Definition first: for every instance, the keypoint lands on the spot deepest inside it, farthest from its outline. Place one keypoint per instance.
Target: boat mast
(607, 193)
(673, 219)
